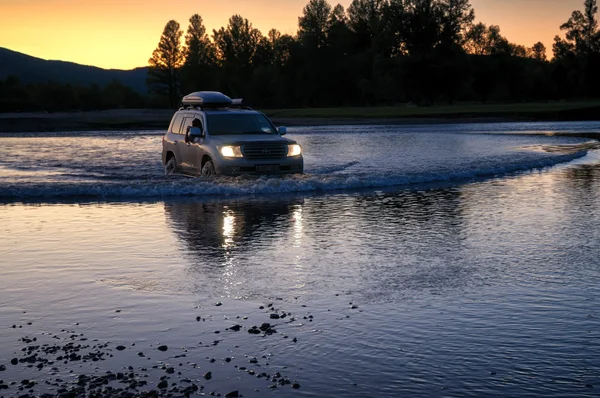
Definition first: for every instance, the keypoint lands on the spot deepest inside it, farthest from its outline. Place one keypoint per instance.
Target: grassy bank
(158, 119)
(117, 119)
(541, 110)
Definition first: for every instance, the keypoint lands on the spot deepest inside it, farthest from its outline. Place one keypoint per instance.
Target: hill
(35, 70)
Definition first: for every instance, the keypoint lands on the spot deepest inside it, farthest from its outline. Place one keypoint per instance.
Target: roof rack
(206, 98)
(211, 100)
(239, 104)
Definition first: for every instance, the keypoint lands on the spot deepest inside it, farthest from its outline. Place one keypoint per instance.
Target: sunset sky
(122, 34)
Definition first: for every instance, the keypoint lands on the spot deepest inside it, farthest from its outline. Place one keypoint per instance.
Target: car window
(187, 122)
(244, 123)
(176, 124)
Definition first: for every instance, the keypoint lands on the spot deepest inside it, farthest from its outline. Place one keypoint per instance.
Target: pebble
(104, 385)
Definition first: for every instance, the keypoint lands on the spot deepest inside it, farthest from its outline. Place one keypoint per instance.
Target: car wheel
(208, 169)
(171, 166)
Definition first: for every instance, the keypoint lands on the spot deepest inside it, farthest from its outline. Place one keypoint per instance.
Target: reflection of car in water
(217, 227)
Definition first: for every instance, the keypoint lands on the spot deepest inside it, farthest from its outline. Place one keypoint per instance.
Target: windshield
(241, 123)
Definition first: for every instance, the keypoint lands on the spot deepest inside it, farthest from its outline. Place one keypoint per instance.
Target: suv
(213, 134)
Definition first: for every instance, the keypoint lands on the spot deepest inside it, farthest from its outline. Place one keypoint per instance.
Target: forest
(55, 96)
(375, 52)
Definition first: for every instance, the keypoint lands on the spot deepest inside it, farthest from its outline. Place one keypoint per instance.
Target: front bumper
(239, 166)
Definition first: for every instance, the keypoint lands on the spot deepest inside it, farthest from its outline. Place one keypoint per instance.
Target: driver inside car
(194, 131)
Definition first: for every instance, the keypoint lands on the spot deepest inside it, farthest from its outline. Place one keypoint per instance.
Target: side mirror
(196, 132)
(282, 130)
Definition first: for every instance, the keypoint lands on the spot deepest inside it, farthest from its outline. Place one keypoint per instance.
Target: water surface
(456, 260)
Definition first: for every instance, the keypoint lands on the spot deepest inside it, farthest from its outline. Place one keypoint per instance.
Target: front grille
(264, 150)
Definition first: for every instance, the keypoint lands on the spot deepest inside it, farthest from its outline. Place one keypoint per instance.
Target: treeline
(376, 52)
(53, 96)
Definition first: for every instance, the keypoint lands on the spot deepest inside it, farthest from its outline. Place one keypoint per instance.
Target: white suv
(213, 134)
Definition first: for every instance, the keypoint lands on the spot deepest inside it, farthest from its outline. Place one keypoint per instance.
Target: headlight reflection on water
(228, 229)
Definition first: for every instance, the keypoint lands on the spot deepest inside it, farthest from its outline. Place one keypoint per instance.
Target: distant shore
(158, 119)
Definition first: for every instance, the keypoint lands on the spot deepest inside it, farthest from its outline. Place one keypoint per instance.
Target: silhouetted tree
(476, 40)
(394, 17)
(577, 56)
(312, 25)
(517, 50)
(422, 27)
(198, 70)
(365, 19)
(483, 40)
(165, 63)
(236, 49)
(337, 31)
(582, 36)
(538, 52)
(457, 16)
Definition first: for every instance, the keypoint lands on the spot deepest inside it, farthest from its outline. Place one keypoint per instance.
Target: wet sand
(68, 363)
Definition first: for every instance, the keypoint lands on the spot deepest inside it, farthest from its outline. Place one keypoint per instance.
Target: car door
(194, 149)
(173, 137)
(187, 159)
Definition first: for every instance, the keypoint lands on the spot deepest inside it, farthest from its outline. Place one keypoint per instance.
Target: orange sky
(122, 34)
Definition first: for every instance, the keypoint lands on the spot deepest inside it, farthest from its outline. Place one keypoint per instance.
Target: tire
(208, 169)
(171, 166)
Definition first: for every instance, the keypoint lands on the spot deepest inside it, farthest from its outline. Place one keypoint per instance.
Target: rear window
(232, 124)
(176, 124)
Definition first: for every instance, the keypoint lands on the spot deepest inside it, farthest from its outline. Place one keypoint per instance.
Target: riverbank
(158, 119)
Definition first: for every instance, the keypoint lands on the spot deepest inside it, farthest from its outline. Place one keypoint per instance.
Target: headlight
(294, 150)
(232, 151)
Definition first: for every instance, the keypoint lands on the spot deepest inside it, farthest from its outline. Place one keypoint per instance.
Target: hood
(240, 139)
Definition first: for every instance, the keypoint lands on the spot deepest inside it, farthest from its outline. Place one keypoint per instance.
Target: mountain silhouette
(30, 69)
